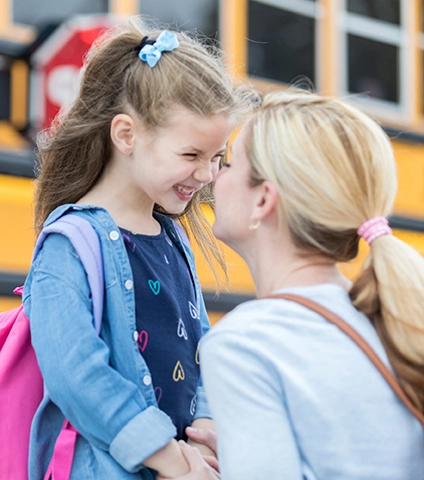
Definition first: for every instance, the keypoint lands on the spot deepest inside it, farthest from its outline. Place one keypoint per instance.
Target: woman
(292, 396)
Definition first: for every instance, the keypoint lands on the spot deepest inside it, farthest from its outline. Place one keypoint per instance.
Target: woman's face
(234, 196)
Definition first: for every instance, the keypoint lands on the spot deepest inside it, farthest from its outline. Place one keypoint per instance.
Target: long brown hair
(335, 168)
(74, 152)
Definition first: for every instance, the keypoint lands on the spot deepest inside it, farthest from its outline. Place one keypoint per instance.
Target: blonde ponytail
(390, 291)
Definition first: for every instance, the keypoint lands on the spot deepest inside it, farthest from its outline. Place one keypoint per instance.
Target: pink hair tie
(374, 228)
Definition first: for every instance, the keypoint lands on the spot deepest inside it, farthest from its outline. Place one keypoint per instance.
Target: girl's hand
(199, 469)
(169, 461)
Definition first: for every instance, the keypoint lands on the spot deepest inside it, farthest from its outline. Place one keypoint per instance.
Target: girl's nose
(205, 172)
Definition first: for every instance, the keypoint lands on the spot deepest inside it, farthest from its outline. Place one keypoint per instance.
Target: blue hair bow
(165, 42)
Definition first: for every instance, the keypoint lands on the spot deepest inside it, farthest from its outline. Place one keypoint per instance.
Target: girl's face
(175, 161)
(234, 197)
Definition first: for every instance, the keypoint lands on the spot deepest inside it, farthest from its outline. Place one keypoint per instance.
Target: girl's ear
(122, 133)
(266, 201)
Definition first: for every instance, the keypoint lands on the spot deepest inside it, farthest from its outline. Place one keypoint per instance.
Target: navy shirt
(167, 321)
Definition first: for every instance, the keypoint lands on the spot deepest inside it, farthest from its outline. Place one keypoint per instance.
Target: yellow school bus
(370, 52)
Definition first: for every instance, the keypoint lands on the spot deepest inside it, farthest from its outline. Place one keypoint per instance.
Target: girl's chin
(175, 209)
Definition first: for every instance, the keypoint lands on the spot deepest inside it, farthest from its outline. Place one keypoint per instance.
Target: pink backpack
(21, 384)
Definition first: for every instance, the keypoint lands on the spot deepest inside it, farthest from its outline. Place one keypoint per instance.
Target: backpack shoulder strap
(181, 233)
(86, 242)
(360, 341)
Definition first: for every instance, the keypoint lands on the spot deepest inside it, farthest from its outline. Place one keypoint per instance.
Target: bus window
(281, 45)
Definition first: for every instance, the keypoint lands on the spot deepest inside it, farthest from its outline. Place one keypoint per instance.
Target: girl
(139, 145)
(292, 396)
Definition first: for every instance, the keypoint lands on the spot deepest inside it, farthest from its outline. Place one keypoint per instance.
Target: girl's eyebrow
(199, 151)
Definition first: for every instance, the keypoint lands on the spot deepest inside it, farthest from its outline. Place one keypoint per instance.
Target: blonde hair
(74, 152)
(335, 168)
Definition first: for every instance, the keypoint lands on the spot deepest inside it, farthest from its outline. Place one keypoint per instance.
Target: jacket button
(114, 235)
(147, 380)
(129, 284)
(135, 335)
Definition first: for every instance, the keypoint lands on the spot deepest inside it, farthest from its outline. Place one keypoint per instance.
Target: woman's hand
(205, 440)
(199, 469)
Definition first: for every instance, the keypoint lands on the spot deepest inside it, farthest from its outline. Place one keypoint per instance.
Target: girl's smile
(184, 193)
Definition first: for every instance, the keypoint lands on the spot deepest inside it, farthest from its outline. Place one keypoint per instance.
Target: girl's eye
(190, 155)
(226, 164)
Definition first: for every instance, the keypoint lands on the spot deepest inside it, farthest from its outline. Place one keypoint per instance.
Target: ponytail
(390, 291)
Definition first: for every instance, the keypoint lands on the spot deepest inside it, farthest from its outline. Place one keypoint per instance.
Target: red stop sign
(57, 64)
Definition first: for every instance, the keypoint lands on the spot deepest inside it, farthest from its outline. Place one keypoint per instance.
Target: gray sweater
(294, 398)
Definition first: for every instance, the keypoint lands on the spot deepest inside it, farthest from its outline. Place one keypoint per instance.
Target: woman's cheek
(215, 172)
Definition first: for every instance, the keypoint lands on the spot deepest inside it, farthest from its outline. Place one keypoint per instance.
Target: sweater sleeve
(255, 438)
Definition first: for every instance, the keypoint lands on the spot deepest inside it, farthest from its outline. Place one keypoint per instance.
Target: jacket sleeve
(109, 410)
(248, 408)
(202, 408)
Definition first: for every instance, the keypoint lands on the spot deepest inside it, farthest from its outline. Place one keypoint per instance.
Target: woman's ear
(266, 201)
(123, 133)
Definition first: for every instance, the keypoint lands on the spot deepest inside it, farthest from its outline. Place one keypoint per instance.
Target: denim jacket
(101, 384)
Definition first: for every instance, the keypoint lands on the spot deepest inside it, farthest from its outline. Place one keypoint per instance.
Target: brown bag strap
(365, 347)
